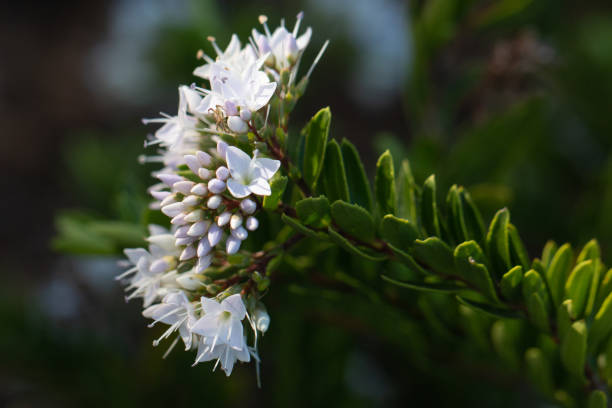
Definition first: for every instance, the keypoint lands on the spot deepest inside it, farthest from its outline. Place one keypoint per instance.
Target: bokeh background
(510, 98)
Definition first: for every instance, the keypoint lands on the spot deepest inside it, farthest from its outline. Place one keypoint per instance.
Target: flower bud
(199, 228)
(193, 163)
(237, 125)
(171, 199)
(192, 200)
(252, 223)
(232, 245)
(203, 247)
(164, 241)
(214, 202)
(203, 157)
(214, 235)
(160, 195)
(245, 114)
(203, 173)
(169, 179)
(172, 210)
(185, 241)
(183, 187)
(199, 189)
(188, 253)
(189, 281)
(203, 263)
(235, 221)
(159, 266)
(216, 186)
(248, 206)
(194, 216)
(179, 219)
(222, 173)
(221, 147)
(224, 218)
(181, 232)
(261, 318)
(240, 233)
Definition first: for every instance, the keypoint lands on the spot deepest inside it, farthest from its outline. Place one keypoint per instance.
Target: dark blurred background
(510, 98)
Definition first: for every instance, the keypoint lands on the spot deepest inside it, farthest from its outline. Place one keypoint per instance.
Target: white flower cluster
(211, 190)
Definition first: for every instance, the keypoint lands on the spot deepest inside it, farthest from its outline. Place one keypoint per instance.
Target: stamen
(126, 273)
(318, 57)
(170, 348)
(296, 28)
(263, 20)
(200, 54)
(214, 44)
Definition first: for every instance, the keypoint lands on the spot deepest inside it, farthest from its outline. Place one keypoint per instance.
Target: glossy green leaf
(358, 184)
(302, 229)
(564, 319)
(350, 247)
(429, 207)
(277, 185)
(558, 270)
(518, 253)
(333, 177)
(408, 260)
(456, 222)
(434, 253)
(353, 220)
(470, 265)
(425, 286)
(505, 335)
(314, 211)
(408, 193)
(548, 252)
(537, 312)
(398, 232)
(597, 399)
(534, 283)
(384, 184)
(539, 370)
(315, 141)
(472, 217)
(577, 287)
(510, 283)
(601, 327)
(590, 251)
(497, 242)
(491, 310)
(595, 281)
(605, 288)
(574, 347)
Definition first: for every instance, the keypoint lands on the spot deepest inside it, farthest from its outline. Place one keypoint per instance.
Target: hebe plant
(230, 164)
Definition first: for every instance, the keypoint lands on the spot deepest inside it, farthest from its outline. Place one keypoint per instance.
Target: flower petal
(237, 189)
(260, 186)
(237, 162)
(235, 305)
(268, 167)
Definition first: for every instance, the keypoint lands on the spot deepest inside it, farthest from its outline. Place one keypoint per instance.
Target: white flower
(249, 175)
(176, 311)
(221, 322)
(233, 58)
(235, 91)
(223, 353)
(176, 128)
(284, 47)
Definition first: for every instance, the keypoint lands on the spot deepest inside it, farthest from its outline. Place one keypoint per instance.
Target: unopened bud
(194, 216)
(214, 202)
(240, 233)
(172, 210)
(199, 189)
(224, 218)
(204, 158)
(188, 253)
(245, 114)
(183, 187)
(222, 173)
(235, 221)
(252, 223)
(203, 247)
(214, 235)
(216, 186)
(199, 228)
(248, 206)
(204, 174)
(237, 125)
(232, 245)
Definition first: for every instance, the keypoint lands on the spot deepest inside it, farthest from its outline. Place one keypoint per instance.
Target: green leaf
(456, 221)
(505, 335)
(564, 319)
(510, 282)
(350, 247)
(315, 134)
(488, 309)
(302, 229)
(605, 288)
(384, 184)
(436, 254)
(577, 287)
(472, 218)
(277, 186)
(601, 327)
(408, 260)
(429, 207)
(359, 186)
(518, 253)
(597, 399)
(590, 251)
(408, 193)
(497, 245)
(558, 271)
(425, 286)
(539, 370)
(574, 347)
(470, 265)
(333, 177)
(592, 296)
(533, 283)
(537, 312)
(354, 220)
(550, 249)
(314, 211)
(398, 232)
